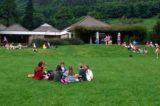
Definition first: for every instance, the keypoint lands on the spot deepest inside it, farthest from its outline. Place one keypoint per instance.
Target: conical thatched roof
(2, 27)
(89, 21)
(16, 27)
(46, 28)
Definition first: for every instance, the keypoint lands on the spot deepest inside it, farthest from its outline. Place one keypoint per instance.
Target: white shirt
(89, 75)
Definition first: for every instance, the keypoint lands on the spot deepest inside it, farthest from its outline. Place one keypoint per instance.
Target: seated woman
(58, 73)
(89, 73)
(44, 46)
(70, 77)
(39, 74)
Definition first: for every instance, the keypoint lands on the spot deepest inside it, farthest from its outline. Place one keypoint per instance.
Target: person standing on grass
(48, 45)
(106, 39)
(82, 73)
(39, 74)
(89, 73)
(34, 47)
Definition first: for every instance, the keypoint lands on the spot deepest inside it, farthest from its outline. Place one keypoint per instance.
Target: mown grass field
(120, 80)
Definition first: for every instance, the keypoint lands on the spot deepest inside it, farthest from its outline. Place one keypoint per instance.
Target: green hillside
(148, 23)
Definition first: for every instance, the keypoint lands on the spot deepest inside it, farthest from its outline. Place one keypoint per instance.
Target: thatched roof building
(89, 22)
(2, 27)
(46, 28)
(16, 27)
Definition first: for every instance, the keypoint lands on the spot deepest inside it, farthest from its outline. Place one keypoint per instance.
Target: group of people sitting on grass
(46, 45)
(150, 44)
(135, 48)
(62, 74)
(13, 46)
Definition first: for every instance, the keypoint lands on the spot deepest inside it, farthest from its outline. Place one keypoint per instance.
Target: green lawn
(120, 80)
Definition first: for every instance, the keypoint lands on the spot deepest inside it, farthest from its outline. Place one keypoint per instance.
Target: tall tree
(8, 11)
(28, 18)
(156, 32)
(63, 17)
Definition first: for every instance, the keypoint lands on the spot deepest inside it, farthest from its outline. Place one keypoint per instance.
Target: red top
(38, 75)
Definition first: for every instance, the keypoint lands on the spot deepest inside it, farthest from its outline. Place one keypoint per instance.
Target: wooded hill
(62, 13)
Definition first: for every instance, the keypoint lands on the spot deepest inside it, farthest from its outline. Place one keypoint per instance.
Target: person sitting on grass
(7, 46)
(151, 44)
(44, 46)
(147, 44)
(39, 74)
(82, 73)
(58, 74)
(89, 73)
(145, 51)
(19, 46)
(63, 68)
(140, 51)
(124, 44)
(156, 45)
(70, 76)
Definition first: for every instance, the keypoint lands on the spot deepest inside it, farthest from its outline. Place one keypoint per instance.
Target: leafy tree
(29, 18)
(94, 14)
(63, 18)
(50, 10)
(39, 19)
(8, 11)
(156, 32)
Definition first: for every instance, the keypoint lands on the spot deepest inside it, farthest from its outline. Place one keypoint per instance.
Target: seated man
(82, 73)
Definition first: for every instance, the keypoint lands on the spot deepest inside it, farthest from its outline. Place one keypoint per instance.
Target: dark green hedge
(65, 41)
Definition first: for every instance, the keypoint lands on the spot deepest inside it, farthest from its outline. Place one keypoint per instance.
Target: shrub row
(65, 41)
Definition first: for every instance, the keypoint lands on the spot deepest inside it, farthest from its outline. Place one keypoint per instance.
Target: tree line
(62, 13)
